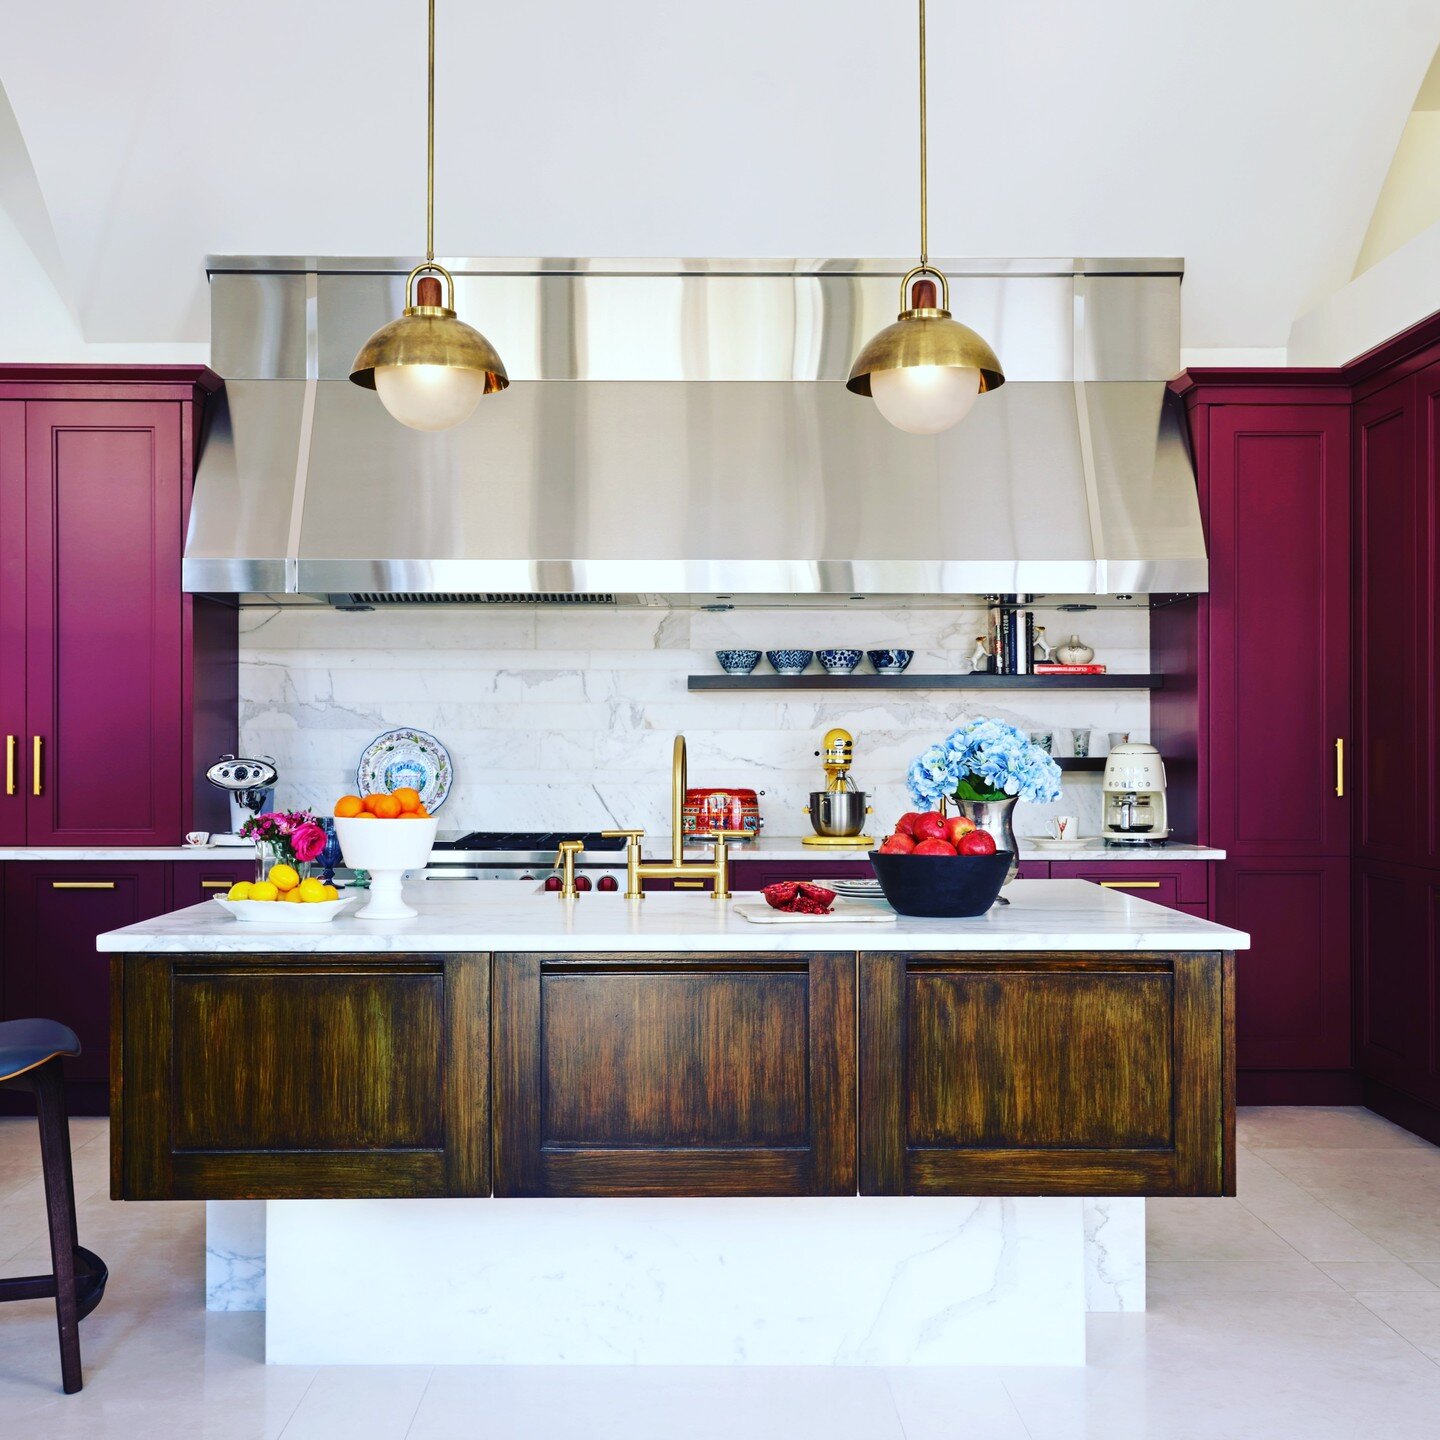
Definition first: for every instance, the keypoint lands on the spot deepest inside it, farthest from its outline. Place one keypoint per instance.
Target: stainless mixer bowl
(837, 812)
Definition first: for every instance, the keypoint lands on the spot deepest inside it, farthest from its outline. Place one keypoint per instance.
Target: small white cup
(1064, 827)
(197, 837)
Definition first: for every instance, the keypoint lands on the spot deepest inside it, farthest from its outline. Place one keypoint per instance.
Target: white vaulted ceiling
(1251, 137)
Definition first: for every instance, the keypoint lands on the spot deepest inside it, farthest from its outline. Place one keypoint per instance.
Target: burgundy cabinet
(1292, 988)
(1183, 885)
(195, 880)
(103, 668)
(1389, 625)
(116, 688)
(1279, 620)
(12, 620)
(53, 912)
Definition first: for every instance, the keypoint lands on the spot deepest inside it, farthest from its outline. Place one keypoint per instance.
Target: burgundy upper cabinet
(116, 687)
(12, 620)
(1393, 660)
(1279, 607)
(103, 663)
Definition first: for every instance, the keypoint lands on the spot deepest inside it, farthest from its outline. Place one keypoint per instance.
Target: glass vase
(267, 854)
(996, 818)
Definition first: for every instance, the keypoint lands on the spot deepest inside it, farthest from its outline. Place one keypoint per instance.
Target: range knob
(582, 882)
(607, 882)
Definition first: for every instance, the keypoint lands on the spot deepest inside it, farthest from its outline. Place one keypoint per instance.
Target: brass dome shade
(925, 335)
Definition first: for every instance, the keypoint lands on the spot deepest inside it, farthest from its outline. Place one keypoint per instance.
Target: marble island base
(824, 1281)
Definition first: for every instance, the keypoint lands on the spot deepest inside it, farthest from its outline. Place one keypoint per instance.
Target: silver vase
(996, 818)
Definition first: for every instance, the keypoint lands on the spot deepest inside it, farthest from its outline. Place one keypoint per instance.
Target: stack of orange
(401, 804)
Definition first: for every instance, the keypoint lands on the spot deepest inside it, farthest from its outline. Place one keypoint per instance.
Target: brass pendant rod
(924, 159)
(430, 145)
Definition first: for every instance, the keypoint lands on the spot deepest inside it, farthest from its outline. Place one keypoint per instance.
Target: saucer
(1048, 842)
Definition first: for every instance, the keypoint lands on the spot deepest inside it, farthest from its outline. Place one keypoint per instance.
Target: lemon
(240, 890)
(283, 877)
(263, 890)
(331, 893)
(311, 889)
(294, 896)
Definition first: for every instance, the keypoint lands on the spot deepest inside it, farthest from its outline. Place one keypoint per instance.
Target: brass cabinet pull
(9, 764)
(82, 884)
(215, 884)
(1129, 884)
(35, 777)
(1340, 767)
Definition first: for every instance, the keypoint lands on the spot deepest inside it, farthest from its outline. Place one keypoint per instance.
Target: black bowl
(952, 887)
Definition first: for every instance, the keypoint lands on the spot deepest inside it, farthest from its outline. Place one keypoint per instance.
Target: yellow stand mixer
(838, 811)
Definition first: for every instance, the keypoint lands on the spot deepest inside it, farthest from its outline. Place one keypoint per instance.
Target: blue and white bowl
(789, 662)
(738, 662)
(838, 662)
(890, 662)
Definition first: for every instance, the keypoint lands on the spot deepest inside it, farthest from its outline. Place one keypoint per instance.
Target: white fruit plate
(284, 912)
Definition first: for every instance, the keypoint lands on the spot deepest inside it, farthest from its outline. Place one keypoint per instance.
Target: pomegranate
(977, 842)
(905, 825)
(957, 827)
(930, 826)
(935, 847)
(897, 844)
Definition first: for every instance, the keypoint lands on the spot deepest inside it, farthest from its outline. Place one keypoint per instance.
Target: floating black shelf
(1080, 762)
(922, 681)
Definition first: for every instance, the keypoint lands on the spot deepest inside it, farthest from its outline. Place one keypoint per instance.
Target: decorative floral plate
(406, 757)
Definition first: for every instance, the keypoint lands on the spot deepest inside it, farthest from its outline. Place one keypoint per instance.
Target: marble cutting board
(844, 912)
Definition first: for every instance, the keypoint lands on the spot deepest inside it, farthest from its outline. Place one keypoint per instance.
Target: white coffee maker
(1134, 796)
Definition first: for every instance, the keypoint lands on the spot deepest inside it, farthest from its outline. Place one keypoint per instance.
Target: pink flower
(307, 840)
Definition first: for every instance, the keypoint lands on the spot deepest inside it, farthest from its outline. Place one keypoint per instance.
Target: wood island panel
(1065, 1074)
(674, 1075)
(255, 1077)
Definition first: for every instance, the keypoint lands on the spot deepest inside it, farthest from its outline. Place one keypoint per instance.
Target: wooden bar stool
(30, 1054)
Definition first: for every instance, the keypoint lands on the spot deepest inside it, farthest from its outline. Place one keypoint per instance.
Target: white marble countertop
(1044, 915)
(119, 853)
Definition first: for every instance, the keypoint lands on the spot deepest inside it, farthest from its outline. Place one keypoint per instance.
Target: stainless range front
(519, 855)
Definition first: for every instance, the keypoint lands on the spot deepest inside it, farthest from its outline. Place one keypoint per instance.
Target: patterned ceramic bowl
(738, 662)
(838, 662)
(890, 662)
(790, 662)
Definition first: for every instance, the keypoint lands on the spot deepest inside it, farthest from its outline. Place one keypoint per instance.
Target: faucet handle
(574, 847)
(623, 834)
(717, 835)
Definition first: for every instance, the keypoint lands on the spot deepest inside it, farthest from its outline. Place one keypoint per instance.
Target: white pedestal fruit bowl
(386, 849)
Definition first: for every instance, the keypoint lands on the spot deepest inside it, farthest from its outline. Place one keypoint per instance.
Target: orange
(348, 806)
(371, 801)
(421, 813)
(363, 815)
(411, 815)
(409, 799)
(387, 807)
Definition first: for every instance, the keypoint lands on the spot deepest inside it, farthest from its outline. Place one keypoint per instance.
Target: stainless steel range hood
(679, 432)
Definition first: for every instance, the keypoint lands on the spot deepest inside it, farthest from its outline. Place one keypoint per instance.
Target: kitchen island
(618, 1075)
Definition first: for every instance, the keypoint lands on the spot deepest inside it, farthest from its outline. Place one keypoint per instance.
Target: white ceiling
(1249, 136)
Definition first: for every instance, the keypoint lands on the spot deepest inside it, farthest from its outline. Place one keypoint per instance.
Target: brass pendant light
(429, 368)
(926, 370)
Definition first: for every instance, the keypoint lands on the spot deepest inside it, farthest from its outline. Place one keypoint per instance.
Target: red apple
(930, 826)
(957, 827)
(936, 847)
(978, 842)
(897, 844)
(905, 824)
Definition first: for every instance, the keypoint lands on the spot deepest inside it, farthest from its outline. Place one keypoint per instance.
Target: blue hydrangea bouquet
(983, 760)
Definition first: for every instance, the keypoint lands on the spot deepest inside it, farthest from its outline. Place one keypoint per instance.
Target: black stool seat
(30, 1059)
(24, 1044)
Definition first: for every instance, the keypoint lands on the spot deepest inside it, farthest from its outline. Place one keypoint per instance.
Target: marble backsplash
(558, 719)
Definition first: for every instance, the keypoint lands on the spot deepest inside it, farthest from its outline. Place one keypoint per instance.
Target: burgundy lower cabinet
(757, 874)
(1398, 1040)
(1293, 1011)
(1085, 1074)
(300, 1076)
(654, 1074)
(53, 912)
(196, 880)
(1185, 885)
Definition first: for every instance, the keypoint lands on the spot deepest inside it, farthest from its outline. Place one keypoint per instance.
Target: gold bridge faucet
(677, 867)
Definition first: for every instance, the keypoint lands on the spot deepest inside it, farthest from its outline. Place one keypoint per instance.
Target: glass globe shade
(429, 397)
(924, 399)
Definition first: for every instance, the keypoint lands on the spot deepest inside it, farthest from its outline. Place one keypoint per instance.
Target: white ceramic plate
(406, 757)
(861, 889)
(1047, 842)
(282, 912)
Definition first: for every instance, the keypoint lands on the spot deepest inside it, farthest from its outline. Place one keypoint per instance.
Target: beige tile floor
(1306, 1309)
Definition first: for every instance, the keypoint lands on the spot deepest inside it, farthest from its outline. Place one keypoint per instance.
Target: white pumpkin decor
(1074, 652)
